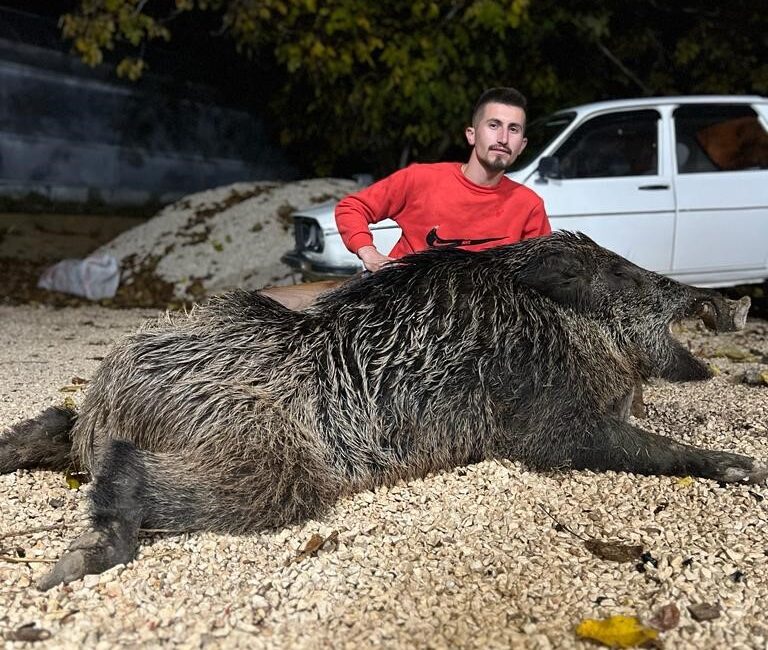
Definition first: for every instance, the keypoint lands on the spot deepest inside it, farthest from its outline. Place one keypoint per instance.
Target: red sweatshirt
(436, 206)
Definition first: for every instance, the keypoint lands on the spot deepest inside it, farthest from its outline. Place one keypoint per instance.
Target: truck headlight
(308, 235)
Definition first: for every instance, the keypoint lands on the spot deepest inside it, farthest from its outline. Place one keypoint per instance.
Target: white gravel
(464, 559)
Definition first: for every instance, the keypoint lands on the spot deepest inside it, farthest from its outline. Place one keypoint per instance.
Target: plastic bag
(94, 277)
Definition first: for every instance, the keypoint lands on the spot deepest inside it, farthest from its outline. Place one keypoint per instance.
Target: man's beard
(496, 163)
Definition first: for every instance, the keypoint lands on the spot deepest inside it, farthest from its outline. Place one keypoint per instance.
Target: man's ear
(469, 132)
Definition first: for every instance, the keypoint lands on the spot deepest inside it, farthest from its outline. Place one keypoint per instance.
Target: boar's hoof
(92, 552)
(725, 316)
(752, 471)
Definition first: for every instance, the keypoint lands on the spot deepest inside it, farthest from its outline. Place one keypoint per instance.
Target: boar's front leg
(678, 364)
(620, 446)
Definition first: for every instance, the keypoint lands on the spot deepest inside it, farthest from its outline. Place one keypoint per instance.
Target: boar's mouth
(721, 314)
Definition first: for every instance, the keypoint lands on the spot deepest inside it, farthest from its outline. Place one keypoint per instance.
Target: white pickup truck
(678, 185)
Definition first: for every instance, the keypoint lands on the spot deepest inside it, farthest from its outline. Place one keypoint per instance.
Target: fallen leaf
(616, 631)
(69, 389)
(313, 545)
(69, 403)
(666, 617)
(613, 551)
(685, 482)
(28, 633)
(754, 377)
(704, 611)
(733, 353)
(76, 479)
(78, 381)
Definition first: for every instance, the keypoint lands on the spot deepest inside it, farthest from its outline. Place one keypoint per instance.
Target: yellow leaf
(685, 482)
(72, 483)
(69, 403)
(616, 631)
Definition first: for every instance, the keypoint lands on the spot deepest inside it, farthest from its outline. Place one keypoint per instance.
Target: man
(447, 205)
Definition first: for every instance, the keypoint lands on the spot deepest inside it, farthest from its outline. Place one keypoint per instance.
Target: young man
(448, 205)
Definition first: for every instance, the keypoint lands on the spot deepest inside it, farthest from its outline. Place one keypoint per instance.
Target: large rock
(215, 240)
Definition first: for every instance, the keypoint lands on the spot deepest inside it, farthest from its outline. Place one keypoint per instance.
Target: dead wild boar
(528, 352)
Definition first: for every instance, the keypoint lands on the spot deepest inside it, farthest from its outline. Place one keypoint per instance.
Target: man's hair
(508, 96)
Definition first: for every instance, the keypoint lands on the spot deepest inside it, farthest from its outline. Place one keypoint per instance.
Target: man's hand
(372, 259)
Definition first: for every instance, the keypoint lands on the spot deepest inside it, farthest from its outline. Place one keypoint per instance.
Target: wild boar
(528, 352)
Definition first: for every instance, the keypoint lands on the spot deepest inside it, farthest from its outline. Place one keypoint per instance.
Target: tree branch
(612, 57)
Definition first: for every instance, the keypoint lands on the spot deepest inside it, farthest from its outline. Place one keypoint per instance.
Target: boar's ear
(563, 277)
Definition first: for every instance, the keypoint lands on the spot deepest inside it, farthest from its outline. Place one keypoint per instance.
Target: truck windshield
(540, 133)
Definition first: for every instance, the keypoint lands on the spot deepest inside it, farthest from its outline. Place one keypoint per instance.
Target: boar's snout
(723, 315)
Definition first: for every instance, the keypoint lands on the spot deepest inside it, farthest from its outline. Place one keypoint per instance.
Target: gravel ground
(486, 556)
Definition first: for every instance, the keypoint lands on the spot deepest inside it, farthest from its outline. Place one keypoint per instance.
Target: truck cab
(678, 185)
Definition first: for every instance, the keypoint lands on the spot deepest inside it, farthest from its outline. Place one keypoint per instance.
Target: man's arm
(354, 213)
(537, 223)
(371, 258)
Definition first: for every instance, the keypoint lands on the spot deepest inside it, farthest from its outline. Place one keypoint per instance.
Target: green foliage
(373, 85)
(100, 24)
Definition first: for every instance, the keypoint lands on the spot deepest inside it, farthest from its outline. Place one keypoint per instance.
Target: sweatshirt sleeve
(355, 212)
(538, 222)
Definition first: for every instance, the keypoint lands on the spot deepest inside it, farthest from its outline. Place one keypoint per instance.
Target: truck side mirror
(549, 167)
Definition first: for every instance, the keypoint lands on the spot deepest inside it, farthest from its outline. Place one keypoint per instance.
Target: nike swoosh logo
(435, 241)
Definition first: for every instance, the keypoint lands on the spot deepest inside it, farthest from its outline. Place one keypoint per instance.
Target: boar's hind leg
(247, 489)
(132, 487)
(621, 446)
(40, 443)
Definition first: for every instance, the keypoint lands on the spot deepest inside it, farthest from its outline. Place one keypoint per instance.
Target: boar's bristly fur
(245, 415)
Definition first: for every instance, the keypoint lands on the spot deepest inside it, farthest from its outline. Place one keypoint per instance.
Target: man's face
(497, 136)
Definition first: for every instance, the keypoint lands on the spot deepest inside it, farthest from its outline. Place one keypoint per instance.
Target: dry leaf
(28, 633)
(315, 543)
(76, 479)
(69, 389)
(616, 631)
(69, 403)
(704, 611)
(685, 482)
(734, 353)
(666, 617)
(78, 381)
(614, 551)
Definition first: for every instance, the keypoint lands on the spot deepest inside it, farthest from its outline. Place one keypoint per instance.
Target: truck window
(718, 138)
(540, 133)
(619, 144)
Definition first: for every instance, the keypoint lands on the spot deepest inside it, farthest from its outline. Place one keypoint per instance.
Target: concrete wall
(70, 134)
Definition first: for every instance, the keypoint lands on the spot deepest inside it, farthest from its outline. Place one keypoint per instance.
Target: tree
(374, 85)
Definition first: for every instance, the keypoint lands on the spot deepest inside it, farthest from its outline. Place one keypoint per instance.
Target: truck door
(614, 188)
(722, 193)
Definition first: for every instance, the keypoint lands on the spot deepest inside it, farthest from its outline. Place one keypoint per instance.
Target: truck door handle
(653, 187)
